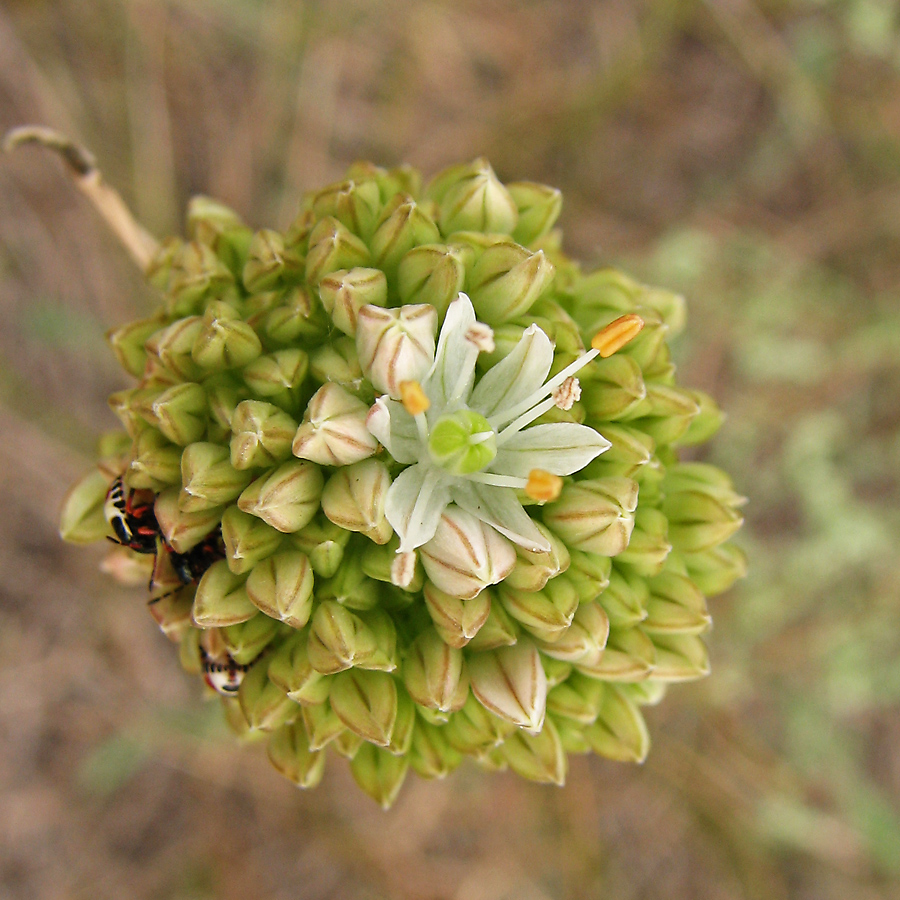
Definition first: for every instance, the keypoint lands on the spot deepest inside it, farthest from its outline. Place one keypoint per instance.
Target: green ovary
(462, 442)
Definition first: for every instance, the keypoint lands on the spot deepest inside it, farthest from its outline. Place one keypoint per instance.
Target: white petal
(389, 423)
(416, 525)
(562, 448)
(500, 508)
(508, 383)
(453, 354)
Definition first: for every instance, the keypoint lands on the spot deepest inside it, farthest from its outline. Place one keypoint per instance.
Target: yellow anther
(543, 486)
(617, 334)
(413, 397)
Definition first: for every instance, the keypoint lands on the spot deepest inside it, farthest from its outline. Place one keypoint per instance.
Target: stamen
(490, 478)
(525, 419)
(617, 334)
(481, 336)
(543, 391)
(543, 486)
(413, 398)
(567, 393)
(403, 568)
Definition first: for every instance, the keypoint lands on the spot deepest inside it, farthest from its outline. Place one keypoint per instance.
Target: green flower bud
(648, 548)
(432, 274)
(612, 388)
(155, 462)
(434, 673)
(538, 757)
(471, 198)
(338, 362)
(323, 542)
(353, 498)
(457, 621)
(366, 702)
(128, 342)
(402, 225)
(395, 345)
(172, 347)
(676, 606)
(287, 498)
(380, 562)
(699, 521)
(221, 598)
(546, 614)
(264, 705)
(224, 341)
(321, 724)
(289, 752)
(82, 520)
(429, 754)
(350, 586)
(340, 639)
(666, 412)
(172, 612)
(379, 773)
(248, 540)
(629, 656)
(597, 516)
(247, 640)
(465, 555)
(278, 376)
(506, 280)
(473, 728)
(680, 657)
(183, 530)
(196, 273)
(331, 247)
(585, 638)
(578, 698)
(159, 269)
(499, 629)
(619, 732)
(261, 434)
(589, 573)
(539, 207)
(631, 449)
(510, 682)
(270, 263)
(333, 432)
(705, 424)
(344, 293)
(282, 587)
(625, 599)
(571, 736)
(716, 569)
(354, 203)
(208, 478)
(292, 671)
(535, 567)
(181, 413)
(296, 319)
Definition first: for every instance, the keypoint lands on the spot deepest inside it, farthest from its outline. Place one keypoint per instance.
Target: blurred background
(744, 152)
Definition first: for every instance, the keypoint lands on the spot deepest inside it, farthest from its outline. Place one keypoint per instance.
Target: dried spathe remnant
(411, 481)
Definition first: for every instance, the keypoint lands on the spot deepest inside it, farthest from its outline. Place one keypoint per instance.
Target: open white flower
(469, 444)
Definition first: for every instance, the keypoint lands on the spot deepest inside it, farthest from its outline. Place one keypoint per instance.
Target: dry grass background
(743, 151)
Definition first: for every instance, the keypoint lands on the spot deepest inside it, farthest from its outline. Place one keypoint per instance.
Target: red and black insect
(222, 673)
(130, 514)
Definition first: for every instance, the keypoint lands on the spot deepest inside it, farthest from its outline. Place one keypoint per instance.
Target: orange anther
(413, 397)
(543, 486)
(617, 334)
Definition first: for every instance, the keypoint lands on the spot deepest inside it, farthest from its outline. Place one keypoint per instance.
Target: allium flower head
(404, 482)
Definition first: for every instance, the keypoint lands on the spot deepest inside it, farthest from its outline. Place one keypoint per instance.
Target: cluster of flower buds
(404, 482)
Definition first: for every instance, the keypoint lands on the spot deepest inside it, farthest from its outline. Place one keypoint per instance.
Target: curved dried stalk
(82, 166)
